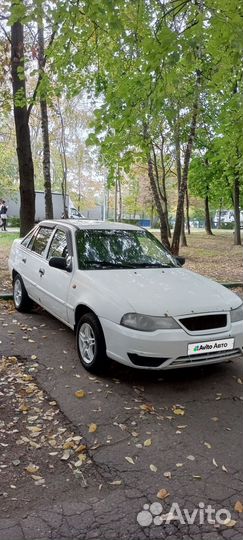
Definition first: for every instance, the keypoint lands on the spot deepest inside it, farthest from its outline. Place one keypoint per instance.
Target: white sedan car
(125, 295)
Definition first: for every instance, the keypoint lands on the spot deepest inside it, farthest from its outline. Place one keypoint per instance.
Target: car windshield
(114, 248)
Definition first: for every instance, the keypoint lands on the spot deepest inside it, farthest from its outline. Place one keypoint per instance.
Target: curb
(6, 296)
(232, 285)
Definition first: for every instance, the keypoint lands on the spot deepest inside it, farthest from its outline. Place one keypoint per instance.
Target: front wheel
(21, 299)
(91, 344)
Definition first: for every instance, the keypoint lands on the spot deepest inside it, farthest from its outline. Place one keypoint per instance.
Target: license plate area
(205, 347)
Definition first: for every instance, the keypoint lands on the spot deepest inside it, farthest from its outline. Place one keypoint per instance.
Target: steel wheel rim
(17, 292)
(87, 343)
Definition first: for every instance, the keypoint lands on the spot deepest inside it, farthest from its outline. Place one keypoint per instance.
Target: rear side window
(40, 241)
(25, 242)
(58, 247)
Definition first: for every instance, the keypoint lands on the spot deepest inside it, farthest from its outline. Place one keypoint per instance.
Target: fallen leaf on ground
(80, 393)
(230, 522)
(191, 458)
(148, 442)
(167, 474)
(81, 448)
(178, 411)
(147, 407)
(92, 428)
(116, 483)
(31, 468)
(130, 460)
(69, 444)
(81, 458)
(23, 407)
(215, 463)
(34, 429)
(153, 468)
(162, 494)
(238, 507)
(66, 455)
(224, 468)
(36, 477)
(208, 445)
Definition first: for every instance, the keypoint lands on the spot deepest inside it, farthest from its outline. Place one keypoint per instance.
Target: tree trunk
(207, 217)
(116, 200)
(119, 199)
(161, 196)
(62, 152)
(220, 214)
(45, 131)
(178, 170)
(164, 185)
(25, 162)
(183, 234)
(187, 213)
(155, 188)
(237, 236)
(183, 184)
(162, 218)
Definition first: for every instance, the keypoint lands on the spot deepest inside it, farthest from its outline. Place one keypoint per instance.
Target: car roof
(90, 224)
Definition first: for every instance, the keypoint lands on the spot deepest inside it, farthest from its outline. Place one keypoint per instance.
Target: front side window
(121, 249)
(58, 247)
(40, 241)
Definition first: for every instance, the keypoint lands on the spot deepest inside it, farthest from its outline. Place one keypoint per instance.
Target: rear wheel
(91, 344)
(22, 301)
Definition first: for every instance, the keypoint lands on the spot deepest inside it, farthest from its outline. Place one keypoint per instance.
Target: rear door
(33, 251)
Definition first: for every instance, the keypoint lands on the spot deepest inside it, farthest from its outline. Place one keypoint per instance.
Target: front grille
(146, 361)
(206, 356)
(204, 322)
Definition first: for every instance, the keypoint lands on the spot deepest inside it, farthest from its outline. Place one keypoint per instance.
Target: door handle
(41, 271)
(24, 260)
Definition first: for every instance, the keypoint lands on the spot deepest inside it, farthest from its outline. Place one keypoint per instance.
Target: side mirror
(180, 260)
(59, 262)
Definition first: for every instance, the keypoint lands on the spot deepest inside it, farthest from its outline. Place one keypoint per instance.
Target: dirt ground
(213, 256)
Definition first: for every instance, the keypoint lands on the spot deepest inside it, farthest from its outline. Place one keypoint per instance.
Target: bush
(14, 222)
(227, 225)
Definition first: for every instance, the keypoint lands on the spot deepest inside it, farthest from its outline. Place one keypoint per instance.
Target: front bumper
(166, 349)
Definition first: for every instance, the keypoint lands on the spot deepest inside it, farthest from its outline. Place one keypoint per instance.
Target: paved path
(194, 454)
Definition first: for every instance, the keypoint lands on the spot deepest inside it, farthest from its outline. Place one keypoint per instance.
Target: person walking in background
(3, 214)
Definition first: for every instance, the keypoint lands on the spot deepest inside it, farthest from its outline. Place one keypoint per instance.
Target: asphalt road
(178, 431)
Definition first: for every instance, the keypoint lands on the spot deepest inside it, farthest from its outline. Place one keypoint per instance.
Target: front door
(54, 283)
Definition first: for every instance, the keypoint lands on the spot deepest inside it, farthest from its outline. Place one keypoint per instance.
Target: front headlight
(147, 323)
(236, 315)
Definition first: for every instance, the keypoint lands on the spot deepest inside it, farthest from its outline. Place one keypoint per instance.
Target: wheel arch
(80, 310)
(14, 273)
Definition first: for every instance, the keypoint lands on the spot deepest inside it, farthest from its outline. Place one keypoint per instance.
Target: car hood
(171, 291)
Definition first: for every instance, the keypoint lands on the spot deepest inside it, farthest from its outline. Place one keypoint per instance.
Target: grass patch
(6, 239)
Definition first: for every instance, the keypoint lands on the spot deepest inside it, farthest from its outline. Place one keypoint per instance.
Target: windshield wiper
(152, 265)
(109, 264)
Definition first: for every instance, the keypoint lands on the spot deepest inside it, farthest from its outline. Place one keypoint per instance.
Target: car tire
(21, 298)
(91, 344)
